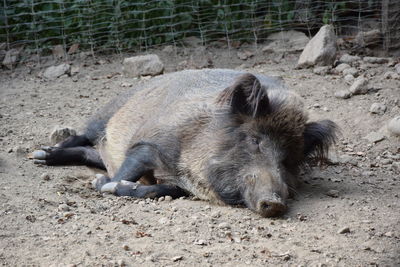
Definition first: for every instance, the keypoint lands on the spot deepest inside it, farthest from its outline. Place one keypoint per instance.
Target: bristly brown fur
(318, 137)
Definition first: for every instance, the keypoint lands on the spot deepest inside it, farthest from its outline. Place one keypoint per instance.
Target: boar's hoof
(99, 181)
(109, 188)
(123, 188)
(270, 208)
(39, 154)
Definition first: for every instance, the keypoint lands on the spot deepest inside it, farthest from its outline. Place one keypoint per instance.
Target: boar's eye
(255, 141)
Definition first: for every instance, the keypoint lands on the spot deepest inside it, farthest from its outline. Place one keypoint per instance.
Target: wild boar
(224, 136)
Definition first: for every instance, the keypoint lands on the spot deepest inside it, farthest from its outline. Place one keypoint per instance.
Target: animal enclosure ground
(344, 214)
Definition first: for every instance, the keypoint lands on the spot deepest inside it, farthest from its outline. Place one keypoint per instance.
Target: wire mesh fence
(128, 25)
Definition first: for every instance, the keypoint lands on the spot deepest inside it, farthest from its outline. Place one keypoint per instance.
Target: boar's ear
(318, 137)
(246, 96)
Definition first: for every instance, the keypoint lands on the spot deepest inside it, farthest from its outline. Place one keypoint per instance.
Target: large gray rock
(54, 72)
(360, 86)
(321, 50)
(286, 41)
(142, 65)
(394, 126)
(11, 58)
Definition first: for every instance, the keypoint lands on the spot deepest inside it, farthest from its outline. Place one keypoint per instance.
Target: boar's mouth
(270, 207)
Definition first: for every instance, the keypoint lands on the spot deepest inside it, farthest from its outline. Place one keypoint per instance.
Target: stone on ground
(61, 133)
(394, 126)
(377, 108)
(286, 41)
(54, 72)
(360, 86)
(346, 58)
(321, 50)
(11, 58)
(142, 66)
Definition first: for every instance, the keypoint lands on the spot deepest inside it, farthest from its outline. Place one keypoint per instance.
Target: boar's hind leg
(141, 159)
(126, 188)
(64, 156)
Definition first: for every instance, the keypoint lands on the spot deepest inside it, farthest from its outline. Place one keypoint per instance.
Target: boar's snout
(266, 193)
(271, 207)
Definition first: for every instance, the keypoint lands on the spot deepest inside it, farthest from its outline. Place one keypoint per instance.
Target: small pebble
(324, 70)
(125, 84)
(388, 234)
(386, 161)
(216, 214)
(163, 220)
(174, 209)
(149, 258)
(346, 58)
(316, 105)
(332, 193)
(342, 67)
(168, 198)
(391, 75)
(377, 108)
(68, 214)
(344, 94)
(63, 207)
(121, 263)
(200, 242)
(349, 78)
(351, 71)
(224, 225)
(177, 258)
(344, 230)
(125, 247)
(45, 177)
(394, 126)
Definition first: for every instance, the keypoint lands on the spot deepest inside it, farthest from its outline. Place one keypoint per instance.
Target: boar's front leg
(141, 159)
(126, 188)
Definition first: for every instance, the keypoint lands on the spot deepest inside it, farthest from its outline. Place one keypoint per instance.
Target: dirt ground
(344, 214)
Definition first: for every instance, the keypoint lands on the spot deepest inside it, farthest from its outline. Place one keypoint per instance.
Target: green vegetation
(129, 24)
